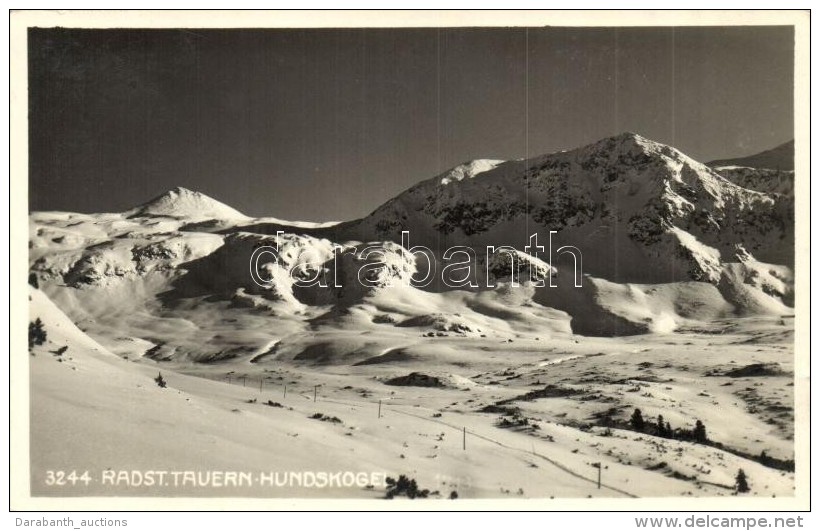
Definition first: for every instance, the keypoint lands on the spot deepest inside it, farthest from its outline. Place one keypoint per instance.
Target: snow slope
(94, 411)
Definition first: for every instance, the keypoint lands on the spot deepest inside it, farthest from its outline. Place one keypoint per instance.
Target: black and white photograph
(426, 265)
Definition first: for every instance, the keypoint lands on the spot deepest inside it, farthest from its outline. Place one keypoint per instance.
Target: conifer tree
(741, 482)
(637, 421)
(661, 427)
(699, 432)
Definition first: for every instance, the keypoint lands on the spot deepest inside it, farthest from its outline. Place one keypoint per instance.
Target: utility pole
(599, 467)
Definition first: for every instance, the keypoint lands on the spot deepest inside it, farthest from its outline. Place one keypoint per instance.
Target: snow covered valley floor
(484, 418)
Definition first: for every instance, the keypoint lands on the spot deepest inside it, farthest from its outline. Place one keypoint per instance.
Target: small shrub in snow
(36, 333)
(404, 486)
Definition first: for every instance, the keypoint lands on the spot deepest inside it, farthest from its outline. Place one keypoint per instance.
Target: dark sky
(328, 124)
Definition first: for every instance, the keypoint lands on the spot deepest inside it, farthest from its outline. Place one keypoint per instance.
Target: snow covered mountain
(182, 203)
(778, 158)
(625, 201)
(665, 241)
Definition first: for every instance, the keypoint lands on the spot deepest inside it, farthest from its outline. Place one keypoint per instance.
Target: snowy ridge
(779, 158)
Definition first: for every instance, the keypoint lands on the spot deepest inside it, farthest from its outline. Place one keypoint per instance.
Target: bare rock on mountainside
(415, 379)
(773, 182)
(755, 369)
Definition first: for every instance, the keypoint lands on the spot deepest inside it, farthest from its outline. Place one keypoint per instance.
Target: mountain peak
(627, 141)
(630, 136)
(626, 148)
(183, 202)
(181, 190)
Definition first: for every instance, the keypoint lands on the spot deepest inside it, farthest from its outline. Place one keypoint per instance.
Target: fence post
(380, 409)
(464, 439)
